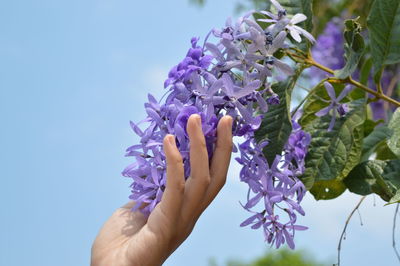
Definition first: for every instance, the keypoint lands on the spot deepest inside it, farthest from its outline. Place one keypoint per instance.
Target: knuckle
(177, 160)
(180, 187)
(221, 182)
(205, 180)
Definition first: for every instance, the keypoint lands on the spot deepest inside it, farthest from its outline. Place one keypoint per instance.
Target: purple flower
(335, 105)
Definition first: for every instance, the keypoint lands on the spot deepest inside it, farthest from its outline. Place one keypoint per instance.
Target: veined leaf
(371, 142)
(277, 122)
(375, 176)
(394, 141)
(333, 154)
(384, 30)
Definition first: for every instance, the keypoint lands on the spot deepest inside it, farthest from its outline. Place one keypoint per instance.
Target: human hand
(130, 238)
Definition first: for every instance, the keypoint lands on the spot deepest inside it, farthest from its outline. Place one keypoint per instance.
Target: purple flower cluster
(230, 76)
(275, 186)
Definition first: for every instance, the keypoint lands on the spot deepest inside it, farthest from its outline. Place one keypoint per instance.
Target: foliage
(282, 257)
(384, 31)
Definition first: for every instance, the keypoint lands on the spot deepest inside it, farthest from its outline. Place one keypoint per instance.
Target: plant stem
(350, 80)
(345, 227)
(371, 91)
(393, 232)
(309, 60)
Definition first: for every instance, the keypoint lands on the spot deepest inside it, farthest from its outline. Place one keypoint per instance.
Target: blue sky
(72, 75)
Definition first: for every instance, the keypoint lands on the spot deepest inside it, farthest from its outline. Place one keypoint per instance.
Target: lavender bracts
(231, 76)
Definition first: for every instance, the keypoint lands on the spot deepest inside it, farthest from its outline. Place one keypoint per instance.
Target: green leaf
(371, 142)
(375, 176)
(383, 23)
(327, 189)
(365, 71)
(364, 75)
(383, 152)
(369, 125)
(394, 124)
(395, 198)
(276, 125)
(353, 47)
(332, 155)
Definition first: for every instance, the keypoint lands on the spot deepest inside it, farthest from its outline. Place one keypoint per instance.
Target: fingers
(199, 179)
(199, 167)
(172, 199)
(188, 200)
(221, 159)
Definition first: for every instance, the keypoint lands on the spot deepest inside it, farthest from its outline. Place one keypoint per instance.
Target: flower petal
(330, 90)
(254, 25)
(344, 92)
(277, 42)
(298, 18)
(294, 33)
(305, 33)
(324, 111)
(283, 67)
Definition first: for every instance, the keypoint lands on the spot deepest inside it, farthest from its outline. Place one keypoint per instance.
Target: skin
(130, 238)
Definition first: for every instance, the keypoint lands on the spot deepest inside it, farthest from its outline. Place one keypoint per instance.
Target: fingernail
(198, 120)
(171, 140)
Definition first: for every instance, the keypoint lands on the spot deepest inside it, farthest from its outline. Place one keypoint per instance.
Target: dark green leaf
(332, 155)
(384, 31)
(371, 142)
(277, 124)
(354, 47)
(394, 124)
(327, 189)
(375, 176)
(369, 126)
(383, 152)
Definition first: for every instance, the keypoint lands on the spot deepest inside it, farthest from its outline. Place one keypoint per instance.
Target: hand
(130, 238)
